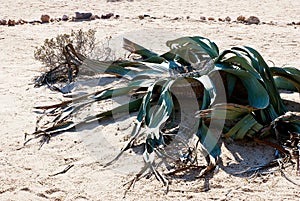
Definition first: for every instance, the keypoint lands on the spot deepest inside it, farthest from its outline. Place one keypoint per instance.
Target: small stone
(241, 18)
(11, 22)
(3, 22)
(45, 18)
(203, 18)
(93, 17)
(228, 19)
(187, 17)
(82, 16)
(253, 20)
(107, 16)
(141, 17)
(221, 20)
(65, 18)
(117, 16)
(298, 23)
(211, 19)
(21, 21)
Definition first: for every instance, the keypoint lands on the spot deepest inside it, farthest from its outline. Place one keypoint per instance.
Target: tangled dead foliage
(58, 66)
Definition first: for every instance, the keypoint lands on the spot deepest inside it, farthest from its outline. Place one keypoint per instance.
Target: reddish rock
(3, 22)
(45, 18)
(107, 16)
(20, 21)
(241, 18)
(211, 19)
(11, 23)
(228, 19)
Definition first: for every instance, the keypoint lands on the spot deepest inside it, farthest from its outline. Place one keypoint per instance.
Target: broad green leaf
(209, 139)
(195, 43)
(231, 82)
(284, 84)
(241, 127)
(104, 67)
(137, 49)
(226, 110)
(257, 95)
(289, 74)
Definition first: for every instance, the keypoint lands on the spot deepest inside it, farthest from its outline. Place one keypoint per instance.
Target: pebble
(253, 20)
(211, 19)
(203, 18)
(21, 21)
(3, 22)
(45, 18)
(82, 16)
(11, 22)
(241, 18)
(228, 19)
(65, 18)
(107, 16)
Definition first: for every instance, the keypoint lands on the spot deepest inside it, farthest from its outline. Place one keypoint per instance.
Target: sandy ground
(24, 171)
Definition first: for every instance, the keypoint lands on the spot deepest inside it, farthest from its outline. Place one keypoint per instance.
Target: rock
(141, 17)
(45, 18)
(65, 18)
(3, 22)
(203, 18)
(82, 16)
(253, 20)
(221, 20)
(93, 17)
(11, 22)
(117, 16)
(211, 19)
(21, 21)
(107, 16)
(228, 19)
(241, 18)
(297, 23)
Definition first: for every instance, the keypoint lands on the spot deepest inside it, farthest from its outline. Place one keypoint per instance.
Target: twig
(184, 169)
(283, 174)
(64, 171)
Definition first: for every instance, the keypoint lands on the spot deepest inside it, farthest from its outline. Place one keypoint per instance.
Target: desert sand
(25, 171)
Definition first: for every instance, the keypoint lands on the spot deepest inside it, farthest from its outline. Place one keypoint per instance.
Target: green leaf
(226, 110)
(194, 44)
(104, 67)
(137, 49)
(240, 129)
(257, 95)
(289, 75)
